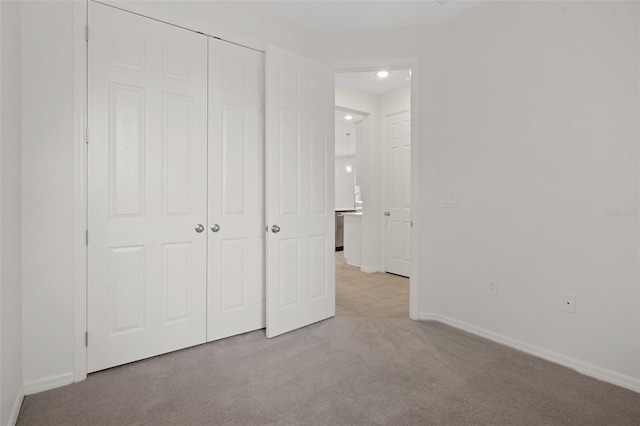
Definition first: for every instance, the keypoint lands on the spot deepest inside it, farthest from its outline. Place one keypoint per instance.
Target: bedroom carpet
(342, 371)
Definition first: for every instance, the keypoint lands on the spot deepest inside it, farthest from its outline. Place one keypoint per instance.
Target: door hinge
(86, 135)
(86, 237)
(86, 33)
(86, 339)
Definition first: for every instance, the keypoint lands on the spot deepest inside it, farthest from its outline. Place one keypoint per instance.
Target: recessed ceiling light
(348, 117)
(382, 74)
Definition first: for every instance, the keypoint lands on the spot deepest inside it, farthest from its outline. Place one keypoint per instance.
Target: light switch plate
(493, 288)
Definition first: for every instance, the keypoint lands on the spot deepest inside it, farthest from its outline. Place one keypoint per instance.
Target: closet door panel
(300, 180)
(147, 177)
(236, 193)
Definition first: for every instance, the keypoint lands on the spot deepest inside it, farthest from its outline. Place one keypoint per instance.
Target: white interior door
(300, 186)
(236, 279)
(147, 162)
(397, 194)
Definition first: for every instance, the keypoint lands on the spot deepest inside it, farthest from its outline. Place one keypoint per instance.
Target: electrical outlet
(568, 303)
(452, 202)
(493, 288)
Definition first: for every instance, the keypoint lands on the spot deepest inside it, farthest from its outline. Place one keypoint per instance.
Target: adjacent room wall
(344, 185)
(368, 164)
(537, 132)
(395, 101)
(11, 391)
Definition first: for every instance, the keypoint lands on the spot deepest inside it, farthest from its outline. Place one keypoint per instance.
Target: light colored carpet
(369, 295)
(345, 370)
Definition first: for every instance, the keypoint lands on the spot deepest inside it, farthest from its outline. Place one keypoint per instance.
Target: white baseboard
(368, 269)
(591, 370)
(424, 316)
(51, 382)
(13, 419)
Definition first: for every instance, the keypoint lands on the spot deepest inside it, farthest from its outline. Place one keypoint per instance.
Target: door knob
(275, 229)
(387, 213)
(199, 228)
(215, 227)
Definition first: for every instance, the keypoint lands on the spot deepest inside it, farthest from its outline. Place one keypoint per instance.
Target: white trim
(368, 269)
(394, 112)
(187, 24)
(416, 236)
(414, 65)
(427, 316)
(80, 17)
(17, 405)
(1, 214)
(588, 369)
(51, 382)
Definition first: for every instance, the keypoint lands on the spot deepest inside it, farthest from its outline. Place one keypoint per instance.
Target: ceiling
(369, 82)
(330, 16)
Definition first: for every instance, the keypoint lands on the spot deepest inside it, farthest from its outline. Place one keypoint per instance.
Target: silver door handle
(215, 227)
(387, 213)
(199, 228)
(275, 229)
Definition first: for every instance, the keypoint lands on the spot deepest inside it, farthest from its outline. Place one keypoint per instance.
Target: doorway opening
(373, 187)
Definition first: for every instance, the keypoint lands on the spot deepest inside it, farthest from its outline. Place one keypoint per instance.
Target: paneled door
(397, 194)
(147, 180)
(236, 279)
(300, 187)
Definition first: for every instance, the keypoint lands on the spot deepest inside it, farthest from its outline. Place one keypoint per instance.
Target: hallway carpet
(345, 370)
(369, 295)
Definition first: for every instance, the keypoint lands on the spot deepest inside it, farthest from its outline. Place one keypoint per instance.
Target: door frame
(413, 64)
(80, 195)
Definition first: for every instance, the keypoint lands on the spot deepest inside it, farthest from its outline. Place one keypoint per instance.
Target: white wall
(344, 185)
(47, 191)
(395, 101)
(48, 160)
(537, 131)
(10, 219)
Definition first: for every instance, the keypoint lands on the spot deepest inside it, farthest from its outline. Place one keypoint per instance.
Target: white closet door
(300, 188)
(398, 194)
(236, 278)
(147, 162)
